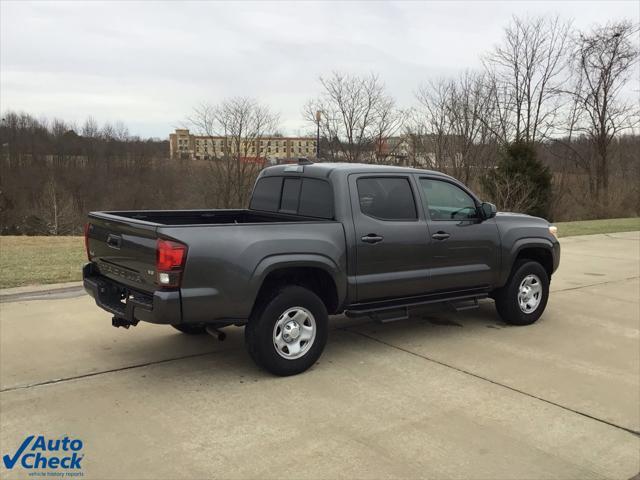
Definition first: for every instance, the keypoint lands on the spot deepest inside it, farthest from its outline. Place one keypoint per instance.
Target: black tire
(506, 298)
(260, 330)
(190, 329)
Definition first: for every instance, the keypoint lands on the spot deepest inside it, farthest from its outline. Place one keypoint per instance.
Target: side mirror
(488, 210)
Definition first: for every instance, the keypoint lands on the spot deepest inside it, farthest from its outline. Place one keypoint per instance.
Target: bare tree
(514, 194)
(389, 122)
(434, 123)
(90, 128)
(450, 129)
(241, 123)
(603, 61)
(356, 115)
(526, 73)
(121, 131)
(56, 206)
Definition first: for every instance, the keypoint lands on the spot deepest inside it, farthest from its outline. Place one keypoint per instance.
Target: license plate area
(123, 301)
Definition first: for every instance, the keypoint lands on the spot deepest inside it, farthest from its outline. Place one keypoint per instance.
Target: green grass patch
(589, 227)
(40, 260)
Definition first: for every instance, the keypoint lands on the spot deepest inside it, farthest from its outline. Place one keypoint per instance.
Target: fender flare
(291, 260)
(517, 247)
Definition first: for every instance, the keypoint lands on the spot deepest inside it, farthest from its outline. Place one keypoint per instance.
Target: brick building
(185, 145)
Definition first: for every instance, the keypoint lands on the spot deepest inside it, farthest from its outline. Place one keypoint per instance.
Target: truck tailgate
(123, 250)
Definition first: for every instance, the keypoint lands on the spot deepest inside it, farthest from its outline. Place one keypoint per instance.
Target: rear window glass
(290, 195)
(316, 198)
(309, 197)
(387, 198)
(266, 194)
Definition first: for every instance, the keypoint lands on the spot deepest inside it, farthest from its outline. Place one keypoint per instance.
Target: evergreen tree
(520, 182)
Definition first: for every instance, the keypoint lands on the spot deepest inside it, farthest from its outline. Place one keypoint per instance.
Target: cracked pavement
(441, 395)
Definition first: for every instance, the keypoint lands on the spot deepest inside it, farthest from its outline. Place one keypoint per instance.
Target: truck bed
(122, 244)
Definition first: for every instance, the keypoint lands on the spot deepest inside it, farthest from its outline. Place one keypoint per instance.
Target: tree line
(545, 126)
(556, 93)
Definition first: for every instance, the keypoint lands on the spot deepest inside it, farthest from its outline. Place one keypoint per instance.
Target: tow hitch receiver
(123, 322)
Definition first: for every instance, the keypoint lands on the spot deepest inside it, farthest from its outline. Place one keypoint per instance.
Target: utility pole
(318, 117)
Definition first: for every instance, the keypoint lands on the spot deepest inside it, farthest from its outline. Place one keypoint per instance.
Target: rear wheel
(190, 329)
(287, 331)
(523, 299)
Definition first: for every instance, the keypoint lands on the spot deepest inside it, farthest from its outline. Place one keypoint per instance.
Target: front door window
(445, 201)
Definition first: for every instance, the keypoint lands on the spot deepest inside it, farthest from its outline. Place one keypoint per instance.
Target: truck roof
(325, 169)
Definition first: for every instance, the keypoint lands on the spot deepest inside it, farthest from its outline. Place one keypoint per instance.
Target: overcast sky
(149, 63)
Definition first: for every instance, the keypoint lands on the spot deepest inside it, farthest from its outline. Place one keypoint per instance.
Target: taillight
(170, 258)
(87, 226)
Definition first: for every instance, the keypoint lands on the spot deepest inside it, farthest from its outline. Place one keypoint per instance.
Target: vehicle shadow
(226, 363)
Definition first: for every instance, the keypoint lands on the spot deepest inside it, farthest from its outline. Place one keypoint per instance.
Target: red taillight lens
(170, 258)
(87, 226)
(170, 255)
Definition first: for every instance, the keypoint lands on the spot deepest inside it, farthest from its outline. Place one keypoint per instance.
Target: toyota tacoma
(319, 239)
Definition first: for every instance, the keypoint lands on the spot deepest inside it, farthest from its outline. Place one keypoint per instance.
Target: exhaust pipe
(214, 332)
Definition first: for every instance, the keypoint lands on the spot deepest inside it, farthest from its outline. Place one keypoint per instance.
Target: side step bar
(462, 305)
(391, 311)
(386, 316)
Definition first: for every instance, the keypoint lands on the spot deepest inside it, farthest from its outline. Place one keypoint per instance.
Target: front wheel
(523, 299)
(287, 331)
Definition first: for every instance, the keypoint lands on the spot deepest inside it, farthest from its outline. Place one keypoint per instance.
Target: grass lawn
(588, 227)
(41, 260)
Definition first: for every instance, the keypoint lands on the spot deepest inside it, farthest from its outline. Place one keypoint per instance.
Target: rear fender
(277, 262)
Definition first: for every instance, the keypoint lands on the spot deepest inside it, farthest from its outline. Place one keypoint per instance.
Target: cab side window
(445, 201)
(387, 198)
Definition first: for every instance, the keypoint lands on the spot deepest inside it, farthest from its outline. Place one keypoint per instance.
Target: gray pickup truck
(319, 239)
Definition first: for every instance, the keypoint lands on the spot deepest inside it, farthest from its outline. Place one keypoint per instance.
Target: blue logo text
(40, 453)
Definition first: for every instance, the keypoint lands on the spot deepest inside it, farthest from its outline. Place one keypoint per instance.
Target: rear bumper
(159, 307)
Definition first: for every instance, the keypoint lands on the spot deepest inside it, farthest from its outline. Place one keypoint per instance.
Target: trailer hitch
(123, 322)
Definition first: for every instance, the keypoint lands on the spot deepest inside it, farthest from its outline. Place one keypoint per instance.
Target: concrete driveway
(442, 395)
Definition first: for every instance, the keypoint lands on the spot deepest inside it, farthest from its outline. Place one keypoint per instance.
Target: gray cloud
(149, 63)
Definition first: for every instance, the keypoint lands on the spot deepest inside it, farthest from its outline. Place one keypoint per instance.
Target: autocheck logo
(64, 455)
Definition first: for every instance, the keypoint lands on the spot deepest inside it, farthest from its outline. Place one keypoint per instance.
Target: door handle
(440, 235)
(114, 241)
(372, 238)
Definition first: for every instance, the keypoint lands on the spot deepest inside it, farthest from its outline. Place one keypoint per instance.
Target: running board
(386, 316)
(463, 305)
(389, 311)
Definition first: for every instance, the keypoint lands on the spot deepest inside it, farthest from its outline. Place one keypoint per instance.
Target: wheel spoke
(294, 348)
(279, 341)
(305, 332)
(300, 317)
